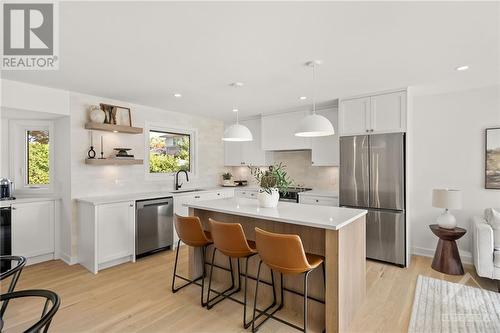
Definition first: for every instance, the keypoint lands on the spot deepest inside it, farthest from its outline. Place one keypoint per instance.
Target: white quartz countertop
(104, 199)
(22, 199)
(320, 193)
(325, 217)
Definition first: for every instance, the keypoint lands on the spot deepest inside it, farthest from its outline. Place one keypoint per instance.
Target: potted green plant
(226, 177)
(271, 182)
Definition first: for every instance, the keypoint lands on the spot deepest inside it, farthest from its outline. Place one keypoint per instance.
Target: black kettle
(6, 189)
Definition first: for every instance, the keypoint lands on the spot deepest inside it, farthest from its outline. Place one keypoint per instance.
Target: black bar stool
(47, 313)
(15, 272)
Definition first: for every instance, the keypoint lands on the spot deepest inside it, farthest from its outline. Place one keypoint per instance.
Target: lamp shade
(314, 125)
(238, 133)
(446, 198)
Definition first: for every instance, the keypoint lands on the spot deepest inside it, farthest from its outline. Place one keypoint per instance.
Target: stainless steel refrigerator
(372, 177)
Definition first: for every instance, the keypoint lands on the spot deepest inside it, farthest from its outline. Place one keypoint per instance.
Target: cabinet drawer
(249, 194)
(319, 201)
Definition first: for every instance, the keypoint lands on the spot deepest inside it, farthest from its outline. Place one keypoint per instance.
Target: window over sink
(170, 150)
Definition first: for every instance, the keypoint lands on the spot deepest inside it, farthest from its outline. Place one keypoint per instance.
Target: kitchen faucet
(177, 185)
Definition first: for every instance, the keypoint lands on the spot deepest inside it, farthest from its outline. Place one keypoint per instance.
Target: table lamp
(447, 199)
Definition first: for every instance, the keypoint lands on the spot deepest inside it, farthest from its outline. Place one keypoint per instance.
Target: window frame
(19, 155)
(193, 149)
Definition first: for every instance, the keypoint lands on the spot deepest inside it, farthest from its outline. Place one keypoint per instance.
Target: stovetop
(292, 194)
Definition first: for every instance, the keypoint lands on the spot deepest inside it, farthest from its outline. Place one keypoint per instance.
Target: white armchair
(486, 258)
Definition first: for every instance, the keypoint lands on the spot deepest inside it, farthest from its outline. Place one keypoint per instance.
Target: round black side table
(447, 259)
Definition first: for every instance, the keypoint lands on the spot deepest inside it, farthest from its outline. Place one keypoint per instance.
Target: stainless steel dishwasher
(154, 225)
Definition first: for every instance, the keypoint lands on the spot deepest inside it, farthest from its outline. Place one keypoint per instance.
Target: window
(37, 158)
(31, 152)
(169, 152)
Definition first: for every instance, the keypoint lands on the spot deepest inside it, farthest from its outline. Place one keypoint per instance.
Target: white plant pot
(227, 181)
(267, 200)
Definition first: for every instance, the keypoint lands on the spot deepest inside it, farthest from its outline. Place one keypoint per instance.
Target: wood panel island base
(338, 234)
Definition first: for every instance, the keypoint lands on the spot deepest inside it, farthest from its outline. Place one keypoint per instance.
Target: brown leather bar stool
(230, 240)
(191, 233)
(285, 254)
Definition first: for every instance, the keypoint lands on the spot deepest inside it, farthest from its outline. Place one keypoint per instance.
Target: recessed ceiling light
(302, 98)
(177, 95)
(462, 68)
(235, 110)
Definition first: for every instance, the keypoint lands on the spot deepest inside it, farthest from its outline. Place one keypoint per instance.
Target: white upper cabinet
(388, 113)
(250, 152)
(382, 113)
(278, 132)
(325, 150)
(354, 116)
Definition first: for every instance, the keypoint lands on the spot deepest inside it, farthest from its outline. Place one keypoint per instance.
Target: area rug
(441, 306)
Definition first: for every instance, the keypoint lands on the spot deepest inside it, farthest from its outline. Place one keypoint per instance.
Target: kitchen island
(336, 233)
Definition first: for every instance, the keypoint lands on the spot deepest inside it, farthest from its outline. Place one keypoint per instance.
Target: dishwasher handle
(155, 202)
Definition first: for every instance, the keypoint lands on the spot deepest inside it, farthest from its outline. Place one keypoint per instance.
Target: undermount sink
(187, 190)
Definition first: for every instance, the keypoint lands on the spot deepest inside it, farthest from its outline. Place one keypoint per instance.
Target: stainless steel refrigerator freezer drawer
(385, 236)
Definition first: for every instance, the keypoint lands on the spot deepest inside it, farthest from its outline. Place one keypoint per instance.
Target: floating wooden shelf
(112, 161)
(113, 128)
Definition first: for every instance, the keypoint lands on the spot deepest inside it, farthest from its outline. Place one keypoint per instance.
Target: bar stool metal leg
(189, 282)
(245, 324)
(306, 275)
(221, 295)
(263, 312)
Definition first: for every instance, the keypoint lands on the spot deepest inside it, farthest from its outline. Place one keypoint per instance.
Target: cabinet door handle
(317, 200)
(367, 131)
(218, 193)
(196, 196)
(131, 205)
(13, 208)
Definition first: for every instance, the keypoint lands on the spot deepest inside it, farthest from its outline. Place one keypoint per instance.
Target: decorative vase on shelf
(268, 200)
(96, 114)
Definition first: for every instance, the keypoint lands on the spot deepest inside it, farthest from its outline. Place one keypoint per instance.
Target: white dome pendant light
(237, 132)
(314, 125)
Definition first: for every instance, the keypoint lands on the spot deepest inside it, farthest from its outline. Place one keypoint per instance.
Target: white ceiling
(144, 52)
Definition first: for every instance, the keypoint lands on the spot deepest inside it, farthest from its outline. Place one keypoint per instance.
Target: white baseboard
(466, 256)
(69, 259)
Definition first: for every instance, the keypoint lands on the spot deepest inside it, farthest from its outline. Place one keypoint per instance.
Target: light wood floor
(137, 298)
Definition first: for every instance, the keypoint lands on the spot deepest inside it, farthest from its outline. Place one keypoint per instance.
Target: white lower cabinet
(181, 199)
(246, 193)
(33, 230)
(106, 234)
(319, 200)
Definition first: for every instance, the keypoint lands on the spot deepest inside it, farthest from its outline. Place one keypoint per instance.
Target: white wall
(23, 96)
(448, 152)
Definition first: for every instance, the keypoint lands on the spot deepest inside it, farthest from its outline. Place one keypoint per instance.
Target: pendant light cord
(314, 87)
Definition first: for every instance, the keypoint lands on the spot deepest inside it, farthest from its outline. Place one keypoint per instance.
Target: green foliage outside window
(38, 157)
(169, 152)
